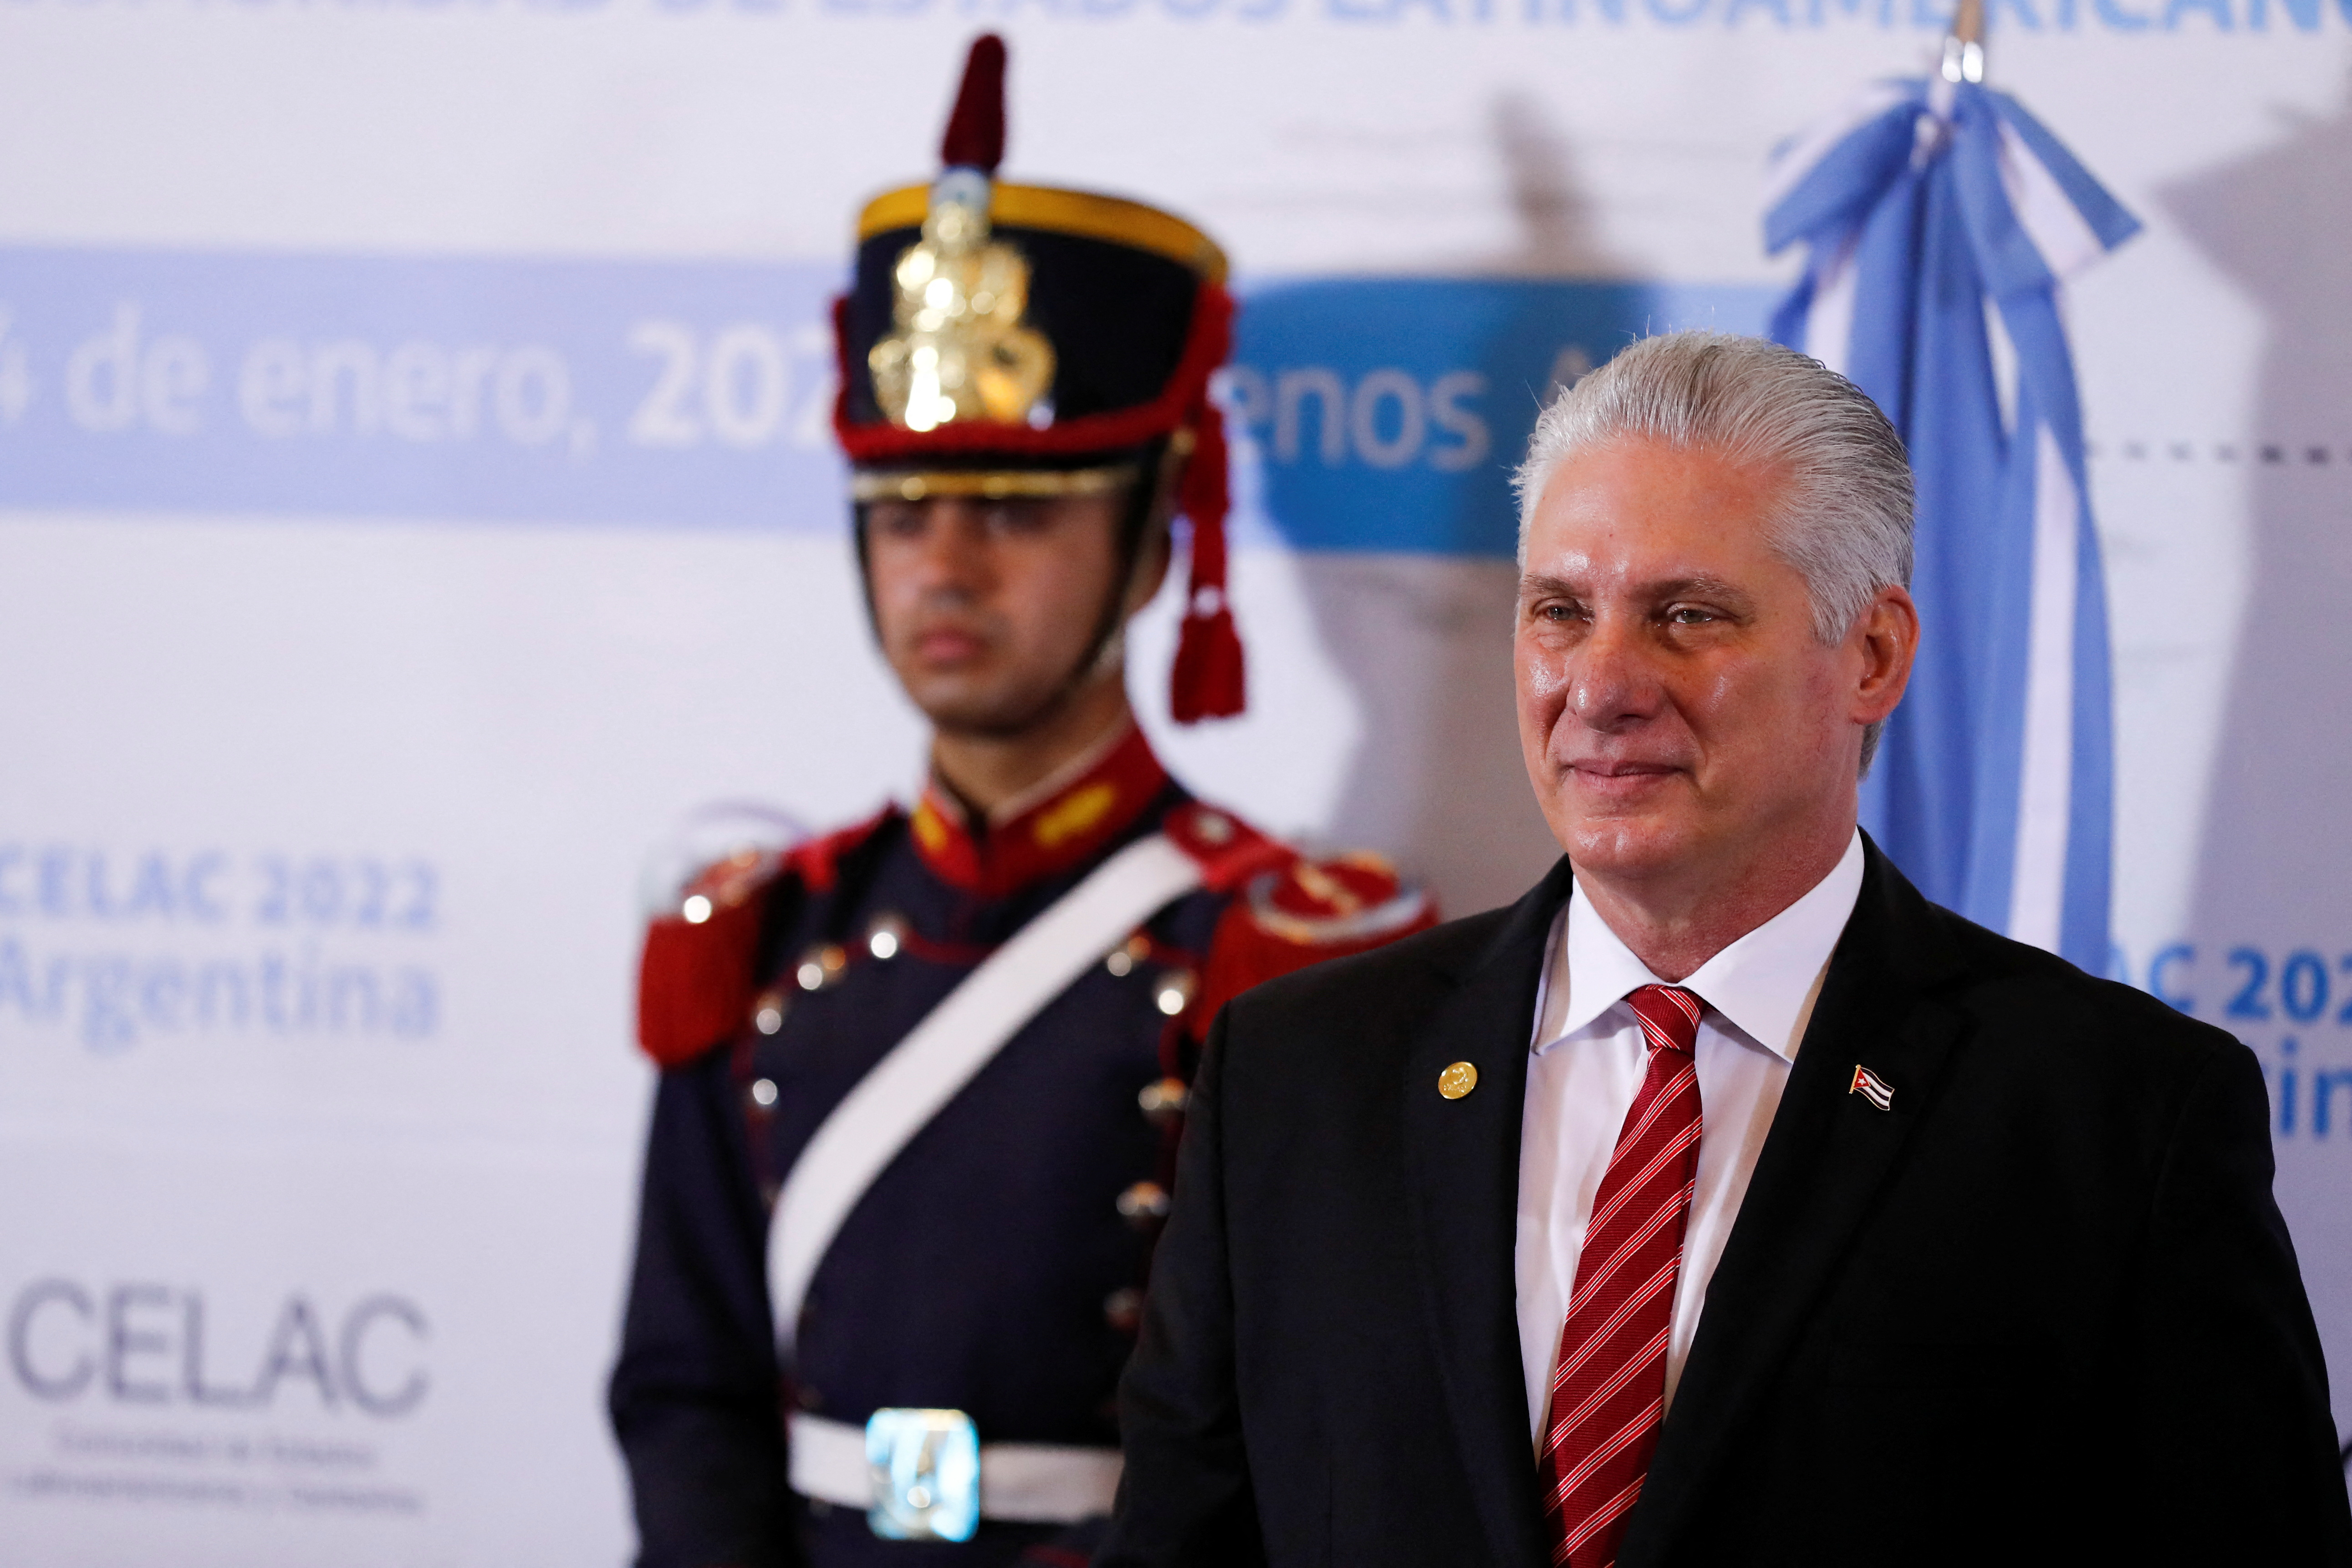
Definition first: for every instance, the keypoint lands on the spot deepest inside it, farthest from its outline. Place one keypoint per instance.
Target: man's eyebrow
(1700, 587)
(1535, 584)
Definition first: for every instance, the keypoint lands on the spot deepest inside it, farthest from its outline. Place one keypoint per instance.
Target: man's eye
(1016, 518)
(1689, 615)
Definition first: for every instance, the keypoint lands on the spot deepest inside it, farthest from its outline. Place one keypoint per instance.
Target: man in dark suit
(1723, 1202)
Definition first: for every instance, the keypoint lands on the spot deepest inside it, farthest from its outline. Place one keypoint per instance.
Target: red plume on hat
(1180, 299)
(975, 137)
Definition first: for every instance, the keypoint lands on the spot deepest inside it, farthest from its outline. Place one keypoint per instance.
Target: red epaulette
(695, 980)
(1228, 850)
(1289, 910)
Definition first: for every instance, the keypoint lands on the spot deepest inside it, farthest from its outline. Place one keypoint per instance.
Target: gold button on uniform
(1457, 1080)
(1144, 1204)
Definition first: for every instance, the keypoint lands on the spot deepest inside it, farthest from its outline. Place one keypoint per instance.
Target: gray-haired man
(1723, 1202)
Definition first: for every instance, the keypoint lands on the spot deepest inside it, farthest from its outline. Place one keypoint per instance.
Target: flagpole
(1963, 55)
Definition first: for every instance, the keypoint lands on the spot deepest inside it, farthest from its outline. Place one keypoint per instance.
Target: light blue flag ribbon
(1994, 784)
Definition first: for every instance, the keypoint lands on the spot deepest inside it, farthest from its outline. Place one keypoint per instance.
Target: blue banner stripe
(1381, 414)
(1386, 414)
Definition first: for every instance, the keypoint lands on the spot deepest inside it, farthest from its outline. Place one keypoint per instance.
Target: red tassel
(1207, 681)
(976, 138)
(1206, 494)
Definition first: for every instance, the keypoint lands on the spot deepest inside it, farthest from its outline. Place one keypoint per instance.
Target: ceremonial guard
(922, 1079)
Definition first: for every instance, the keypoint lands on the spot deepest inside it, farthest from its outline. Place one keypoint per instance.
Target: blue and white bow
(1940, 219)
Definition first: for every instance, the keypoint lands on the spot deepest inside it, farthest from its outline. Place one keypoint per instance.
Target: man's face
(985, 607)
(1678, 715)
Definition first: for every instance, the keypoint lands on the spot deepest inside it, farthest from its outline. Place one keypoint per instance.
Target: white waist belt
(1029, 1483)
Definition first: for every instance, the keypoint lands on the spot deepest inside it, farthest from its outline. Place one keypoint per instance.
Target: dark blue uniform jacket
(989, 1268)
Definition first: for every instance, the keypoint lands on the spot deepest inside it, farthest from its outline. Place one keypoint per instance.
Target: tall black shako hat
(1002, 340)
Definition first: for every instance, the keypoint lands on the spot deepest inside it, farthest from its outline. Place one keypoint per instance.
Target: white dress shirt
(1588, 1061)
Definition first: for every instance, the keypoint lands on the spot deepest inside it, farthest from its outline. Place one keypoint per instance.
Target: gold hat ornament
(961, 351)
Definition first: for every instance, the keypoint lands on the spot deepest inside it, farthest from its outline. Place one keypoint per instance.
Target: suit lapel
(1462, 1165)
(1815, 1181)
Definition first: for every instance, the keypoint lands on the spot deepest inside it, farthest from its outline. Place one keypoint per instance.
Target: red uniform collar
(1069, 821)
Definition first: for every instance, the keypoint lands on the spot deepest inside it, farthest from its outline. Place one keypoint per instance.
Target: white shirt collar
(1763, 984)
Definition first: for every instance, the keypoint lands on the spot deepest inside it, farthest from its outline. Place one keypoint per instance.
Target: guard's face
(1678, 717)
(985, 607)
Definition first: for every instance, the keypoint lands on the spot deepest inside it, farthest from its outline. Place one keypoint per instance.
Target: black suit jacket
(2042, 1310)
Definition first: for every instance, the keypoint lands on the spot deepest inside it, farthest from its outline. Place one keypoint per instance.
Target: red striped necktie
(1609, 1381)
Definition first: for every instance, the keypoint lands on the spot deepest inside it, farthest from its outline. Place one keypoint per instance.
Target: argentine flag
(1940, 218)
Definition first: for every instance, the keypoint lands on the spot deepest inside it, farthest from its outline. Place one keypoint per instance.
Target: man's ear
(1157, 550)
(1887, 636)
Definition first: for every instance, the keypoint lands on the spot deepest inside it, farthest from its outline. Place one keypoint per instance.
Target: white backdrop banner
(416, 508)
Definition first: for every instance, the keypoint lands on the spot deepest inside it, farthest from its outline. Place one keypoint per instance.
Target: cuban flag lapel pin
(1872, 1088)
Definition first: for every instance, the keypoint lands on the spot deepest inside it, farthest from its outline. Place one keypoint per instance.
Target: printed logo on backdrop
(2202, 18)
(1929, 17)
(166, 1394)
(112, 950)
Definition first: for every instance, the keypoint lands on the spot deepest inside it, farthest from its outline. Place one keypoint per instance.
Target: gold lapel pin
(1457, 1080)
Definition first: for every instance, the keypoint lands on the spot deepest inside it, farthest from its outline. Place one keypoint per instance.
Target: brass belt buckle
(926, 1468)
